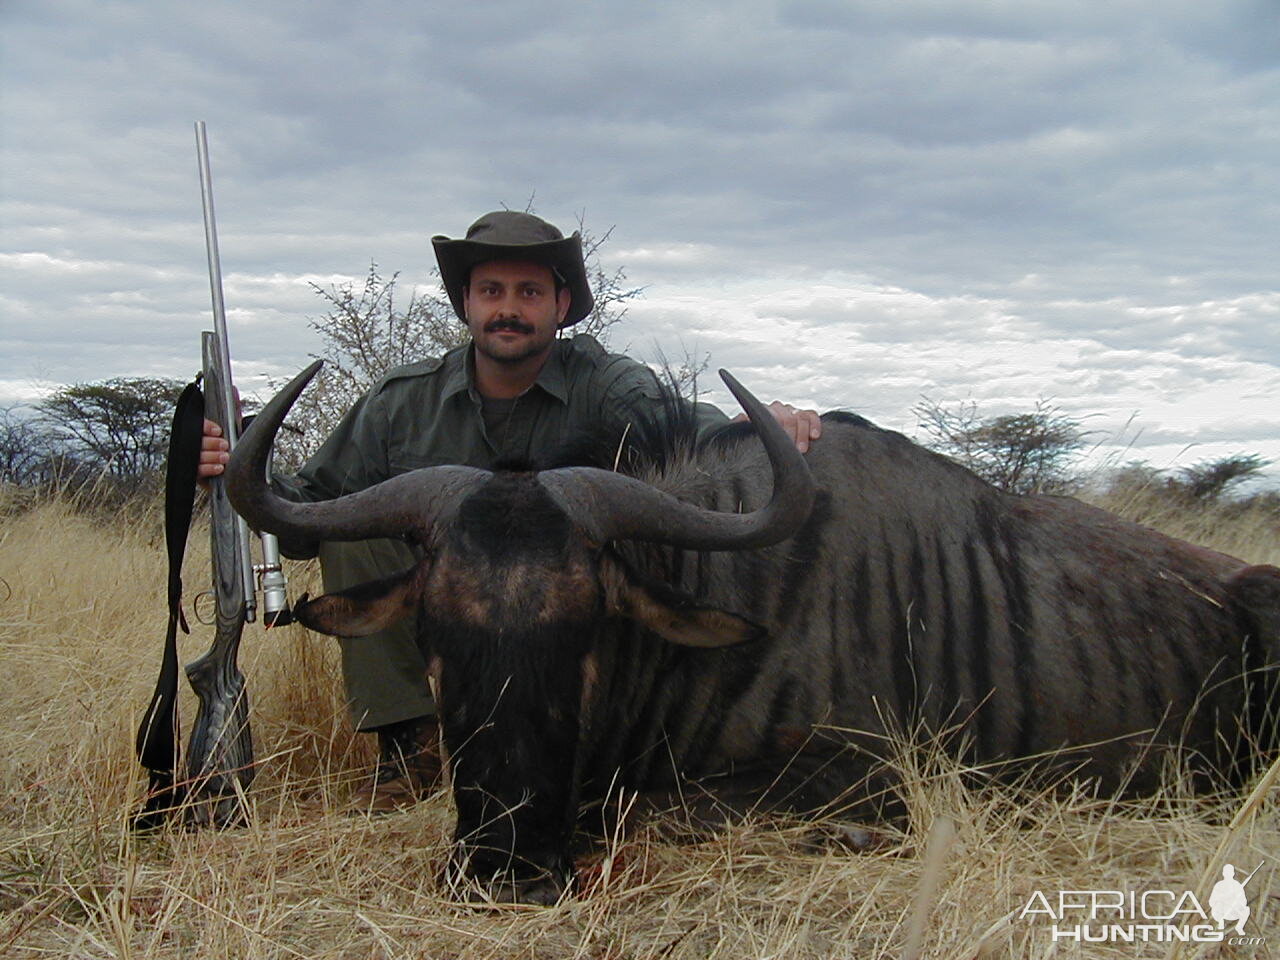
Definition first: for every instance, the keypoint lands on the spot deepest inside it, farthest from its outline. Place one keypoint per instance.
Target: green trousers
(385, 673)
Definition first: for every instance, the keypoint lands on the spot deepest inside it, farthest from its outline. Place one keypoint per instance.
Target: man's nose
(509, 305)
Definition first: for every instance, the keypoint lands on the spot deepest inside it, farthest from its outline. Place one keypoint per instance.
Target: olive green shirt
(429, 413)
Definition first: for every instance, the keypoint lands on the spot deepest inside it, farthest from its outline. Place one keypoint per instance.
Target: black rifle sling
(157, 743)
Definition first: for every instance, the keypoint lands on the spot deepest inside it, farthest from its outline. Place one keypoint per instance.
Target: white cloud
(855, 203)
(877, 351)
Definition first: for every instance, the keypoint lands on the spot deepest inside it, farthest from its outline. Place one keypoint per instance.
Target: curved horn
(392, 508)
(614, 507)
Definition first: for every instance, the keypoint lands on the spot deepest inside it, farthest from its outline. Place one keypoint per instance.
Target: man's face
(513, 310)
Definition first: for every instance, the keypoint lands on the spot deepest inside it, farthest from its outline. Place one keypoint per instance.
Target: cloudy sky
(850, 203)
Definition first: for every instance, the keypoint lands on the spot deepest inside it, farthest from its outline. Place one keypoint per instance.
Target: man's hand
(802, 426)
(214, 453)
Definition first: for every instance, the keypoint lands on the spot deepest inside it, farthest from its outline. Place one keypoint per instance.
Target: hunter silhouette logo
(1229, 901)
(1139, 916)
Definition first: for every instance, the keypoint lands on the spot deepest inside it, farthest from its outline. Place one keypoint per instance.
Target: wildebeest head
(515, 590)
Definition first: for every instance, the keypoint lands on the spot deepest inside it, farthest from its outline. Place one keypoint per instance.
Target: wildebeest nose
(544, 892)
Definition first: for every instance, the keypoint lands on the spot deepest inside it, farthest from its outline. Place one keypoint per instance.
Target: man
(514, 391)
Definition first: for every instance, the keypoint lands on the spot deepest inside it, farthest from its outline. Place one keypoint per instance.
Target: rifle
(220, 765)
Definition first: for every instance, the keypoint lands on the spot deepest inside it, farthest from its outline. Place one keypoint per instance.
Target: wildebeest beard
(509, 707)
(510, 678)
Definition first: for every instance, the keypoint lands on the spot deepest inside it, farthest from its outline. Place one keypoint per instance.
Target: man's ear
(674, 615)
(563, 299)
(466, 302)
(363, 609)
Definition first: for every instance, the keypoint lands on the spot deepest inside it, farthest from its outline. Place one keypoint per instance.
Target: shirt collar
(460, 375)
(552, 377)
(459, 372)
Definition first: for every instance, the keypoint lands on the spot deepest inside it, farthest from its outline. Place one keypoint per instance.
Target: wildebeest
(748, 625)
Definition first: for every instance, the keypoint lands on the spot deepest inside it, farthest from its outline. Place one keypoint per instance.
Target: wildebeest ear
(679, 618)
(361, 610)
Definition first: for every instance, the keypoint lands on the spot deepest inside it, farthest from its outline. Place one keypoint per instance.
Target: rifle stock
(220, 754)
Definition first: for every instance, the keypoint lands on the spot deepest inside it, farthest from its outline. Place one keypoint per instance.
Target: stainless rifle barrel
(232, 426)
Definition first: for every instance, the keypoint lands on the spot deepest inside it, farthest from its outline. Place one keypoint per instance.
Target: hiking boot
(408, 768)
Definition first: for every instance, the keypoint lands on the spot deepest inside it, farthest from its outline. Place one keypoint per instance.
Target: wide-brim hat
(509, 235)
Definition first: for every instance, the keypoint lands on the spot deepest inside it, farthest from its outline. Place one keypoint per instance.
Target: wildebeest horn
(392, 508)
(615, 507)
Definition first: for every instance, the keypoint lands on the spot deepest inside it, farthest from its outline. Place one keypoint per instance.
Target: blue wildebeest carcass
(748, 624)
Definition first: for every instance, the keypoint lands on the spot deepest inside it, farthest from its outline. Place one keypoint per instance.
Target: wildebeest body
(919, 594)
(577, 642)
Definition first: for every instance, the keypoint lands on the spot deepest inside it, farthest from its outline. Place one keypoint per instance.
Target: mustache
(507, 323)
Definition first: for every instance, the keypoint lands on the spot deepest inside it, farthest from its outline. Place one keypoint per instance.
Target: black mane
(649, 439)
(642, 439)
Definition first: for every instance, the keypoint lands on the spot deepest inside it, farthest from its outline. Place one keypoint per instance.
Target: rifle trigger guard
(204, 605)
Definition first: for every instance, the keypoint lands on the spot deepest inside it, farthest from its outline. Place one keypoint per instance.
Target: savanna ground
(81, 622)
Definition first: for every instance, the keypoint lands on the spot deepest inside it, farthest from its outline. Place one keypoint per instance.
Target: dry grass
(1247, 529)
(81, 622)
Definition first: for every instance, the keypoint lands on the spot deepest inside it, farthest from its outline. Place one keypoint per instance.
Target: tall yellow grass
(81, 622)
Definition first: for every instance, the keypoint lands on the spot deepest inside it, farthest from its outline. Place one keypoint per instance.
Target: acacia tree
(1209, 480)
(26, 448)
(369, 328)
(119, 427)
(1209, 489)
(1021, 452)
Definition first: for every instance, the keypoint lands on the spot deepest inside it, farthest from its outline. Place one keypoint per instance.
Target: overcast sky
(849, 203)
